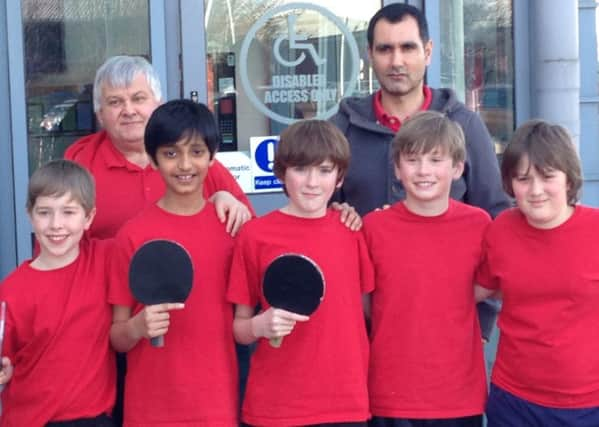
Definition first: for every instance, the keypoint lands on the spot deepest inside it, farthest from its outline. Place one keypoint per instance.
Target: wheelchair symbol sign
(276, 93)
(293, 38)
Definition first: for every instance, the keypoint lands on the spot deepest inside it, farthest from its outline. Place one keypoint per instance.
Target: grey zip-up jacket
(370, 181)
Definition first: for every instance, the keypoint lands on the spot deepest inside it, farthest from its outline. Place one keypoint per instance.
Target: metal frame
(18, 127)
(193, 65)
(8, 244)
(589, 101)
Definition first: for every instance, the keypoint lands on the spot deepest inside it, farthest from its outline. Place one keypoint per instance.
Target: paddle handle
(157, 341)
(276, 342)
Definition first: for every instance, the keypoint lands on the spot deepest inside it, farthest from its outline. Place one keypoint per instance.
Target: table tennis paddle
(295, 283)
(161, 271)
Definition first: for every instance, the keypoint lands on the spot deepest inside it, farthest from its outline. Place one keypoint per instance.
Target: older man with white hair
(126, 92)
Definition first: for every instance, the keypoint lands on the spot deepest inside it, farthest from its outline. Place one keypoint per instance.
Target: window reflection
(64, 42)
(227, 24)
(477, 60)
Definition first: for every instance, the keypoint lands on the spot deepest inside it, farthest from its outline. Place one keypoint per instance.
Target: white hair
(120, 71)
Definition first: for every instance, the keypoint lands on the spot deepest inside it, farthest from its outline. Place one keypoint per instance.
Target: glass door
(64, 43)
(54, 49)
(262, 64)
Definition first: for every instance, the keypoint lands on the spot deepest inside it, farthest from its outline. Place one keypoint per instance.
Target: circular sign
(298, 43)
(265, 154)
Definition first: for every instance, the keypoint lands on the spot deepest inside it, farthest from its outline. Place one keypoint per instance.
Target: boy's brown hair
(59, 177)
(311, 142)
(427, 130)
(547, 146)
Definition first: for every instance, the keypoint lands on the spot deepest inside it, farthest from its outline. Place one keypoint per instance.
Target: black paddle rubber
(161, 271)
(295, 283)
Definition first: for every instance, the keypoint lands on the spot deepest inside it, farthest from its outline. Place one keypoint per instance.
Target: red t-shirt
(426, 356)
(549, 343)
(192, 380)
(57, 337)
(123, 189)
(319, 373)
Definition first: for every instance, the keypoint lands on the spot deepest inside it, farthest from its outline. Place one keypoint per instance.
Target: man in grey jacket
(400, 49)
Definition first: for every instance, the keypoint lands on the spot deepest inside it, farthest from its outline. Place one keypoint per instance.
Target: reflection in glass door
(64, 42)
(477, 61)
(298, 62)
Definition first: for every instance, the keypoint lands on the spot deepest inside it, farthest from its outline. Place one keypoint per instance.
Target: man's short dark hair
(397, 12)
(180, 119)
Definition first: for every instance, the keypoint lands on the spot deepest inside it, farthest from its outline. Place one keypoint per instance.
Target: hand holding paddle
(160, 275)
(293, 285)
(154, 320)
(275, 324)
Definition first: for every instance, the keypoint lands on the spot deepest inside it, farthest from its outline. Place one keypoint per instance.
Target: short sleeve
(118, 271)
(244, 277)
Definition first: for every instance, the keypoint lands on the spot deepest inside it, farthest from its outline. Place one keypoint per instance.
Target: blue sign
(267, 182)
(265, 155)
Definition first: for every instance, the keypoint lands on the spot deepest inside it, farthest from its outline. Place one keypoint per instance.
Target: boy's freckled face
(59, 224)
(427, 177)
(309, 188)
(184, 166)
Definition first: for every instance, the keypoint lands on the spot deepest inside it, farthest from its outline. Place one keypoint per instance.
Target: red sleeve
(118, 272)
(484, 273)
(366, 267)
(244, 277)
(220, 179)
(18, 322)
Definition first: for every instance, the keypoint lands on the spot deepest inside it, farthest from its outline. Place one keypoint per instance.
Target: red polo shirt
(393, 122)
(123, 189)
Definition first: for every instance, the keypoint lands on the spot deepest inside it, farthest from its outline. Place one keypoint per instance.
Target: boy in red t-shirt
(426, 360)
(192, 380)
(542, 257)
(57, 363)
(319, 374)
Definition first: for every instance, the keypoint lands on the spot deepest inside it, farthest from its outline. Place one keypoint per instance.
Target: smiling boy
(318, 375)
(57, 363)
(426, 363)
(193, 379)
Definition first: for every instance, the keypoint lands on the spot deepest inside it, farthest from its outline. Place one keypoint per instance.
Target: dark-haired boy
(319, 374)
(193, 379)
(57, 363)
(426, 361)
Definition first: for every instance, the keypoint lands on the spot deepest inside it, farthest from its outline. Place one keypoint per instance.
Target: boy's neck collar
(184, 206)
(47, 263)
(427, 209)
